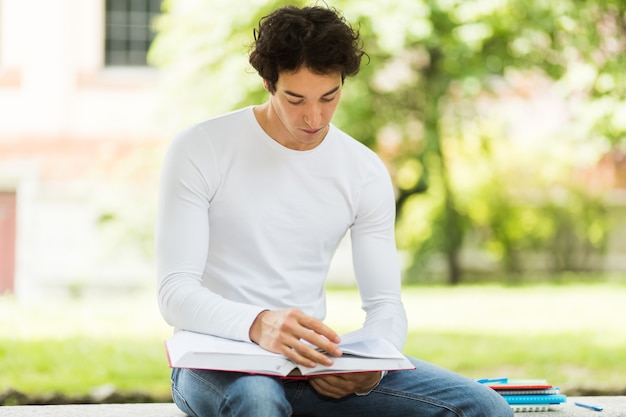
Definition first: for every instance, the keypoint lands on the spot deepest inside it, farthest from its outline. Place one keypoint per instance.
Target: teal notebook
(535, 399)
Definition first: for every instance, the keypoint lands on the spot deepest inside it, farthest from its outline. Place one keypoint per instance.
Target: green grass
(573, 361)
(79, 365)
(75, 347)
(572, 335)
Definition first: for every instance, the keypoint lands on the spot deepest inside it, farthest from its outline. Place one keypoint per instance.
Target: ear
(266, 85)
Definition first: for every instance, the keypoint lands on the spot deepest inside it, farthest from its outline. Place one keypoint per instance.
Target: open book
(187, 349)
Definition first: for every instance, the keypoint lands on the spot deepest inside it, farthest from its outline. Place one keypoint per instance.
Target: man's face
(303, 106)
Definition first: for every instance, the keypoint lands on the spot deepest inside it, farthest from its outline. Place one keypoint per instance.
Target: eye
(327, 99)
(295, 103)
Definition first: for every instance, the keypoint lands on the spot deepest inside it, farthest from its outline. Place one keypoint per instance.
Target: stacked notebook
(527, 394)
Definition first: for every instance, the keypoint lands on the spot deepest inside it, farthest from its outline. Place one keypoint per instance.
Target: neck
(275, 129)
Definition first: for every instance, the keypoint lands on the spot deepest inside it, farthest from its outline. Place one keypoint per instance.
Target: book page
(366, 333)
(374, 348)
(365, 342)
(197, 342)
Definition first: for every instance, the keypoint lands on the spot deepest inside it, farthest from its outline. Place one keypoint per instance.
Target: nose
(313, 115)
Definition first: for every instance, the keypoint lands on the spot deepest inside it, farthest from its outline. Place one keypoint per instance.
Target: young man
(253, 205)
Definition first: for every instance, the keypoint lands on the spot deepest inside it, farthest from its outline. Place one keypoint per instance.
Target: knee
(207, 393)
(489, 403)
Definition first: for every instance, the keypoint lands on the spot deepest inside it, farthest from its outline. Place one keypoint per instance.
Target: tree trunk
(436, 87)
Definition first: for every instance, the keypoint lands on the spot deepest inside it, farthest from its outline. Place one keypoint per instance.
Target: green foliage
(573, 229)
(428, 102)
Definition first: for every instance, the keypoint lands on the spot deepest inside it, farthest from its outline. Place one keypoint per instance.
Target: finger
(306, 355)
(299, 359)
(321, 342)
(320, 328)
(362, 381)
(298, 323)
(283, 332)
(326, 387)
(325, 341)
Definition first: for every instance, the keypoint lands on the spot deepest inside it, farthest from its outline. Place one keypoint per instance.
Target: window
(128, 31)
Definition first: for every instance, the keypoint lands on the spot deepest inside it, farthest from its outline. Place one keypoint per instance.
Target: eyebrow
(291, 93)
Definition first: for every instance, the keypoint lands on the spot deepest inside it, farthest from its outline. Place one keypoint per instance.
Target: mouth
(312, 131)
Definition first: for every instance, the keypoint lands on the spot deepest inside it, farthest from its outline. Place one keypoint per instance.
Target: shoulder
(231, 120)
(211, 132)
(357, 154)
(217, 126)
(374, 199)
(350, 142)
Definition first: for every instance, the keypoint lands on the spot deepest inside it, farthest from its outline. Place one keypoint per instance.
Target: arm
(375, 258)
(377, 271)
(189, 178)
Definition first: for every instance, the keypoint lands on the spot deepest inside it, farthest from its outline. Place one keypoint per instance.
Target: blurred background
(502, 122)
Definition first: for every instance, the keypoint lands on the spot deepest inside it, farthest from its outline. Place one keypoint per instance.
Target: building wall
(79, 144)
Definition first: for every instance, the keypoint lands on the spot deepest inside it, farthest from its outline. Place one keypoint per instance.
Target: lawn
(573, 335)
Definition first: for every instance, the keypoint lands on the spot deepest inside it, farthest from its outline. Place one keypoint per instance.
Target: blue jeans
(427, 391)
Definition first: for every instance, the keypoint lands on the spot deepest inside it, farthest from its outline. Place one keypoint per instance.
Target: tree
(431, 64)
(455, 50)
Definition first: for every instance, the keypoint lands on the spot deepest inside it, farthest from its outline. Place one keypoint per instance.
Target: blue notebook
(535, 399)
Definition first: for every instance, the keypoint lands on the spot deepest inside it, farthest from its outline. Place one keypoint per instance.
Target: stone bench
(613, 407)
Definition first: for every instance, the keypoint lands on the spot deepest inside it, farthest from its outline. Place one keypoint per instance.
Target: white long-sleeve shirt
(245, 224)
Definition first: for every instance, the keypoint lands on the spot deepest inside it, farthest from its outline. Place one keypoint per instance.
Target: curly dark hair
(318, 38)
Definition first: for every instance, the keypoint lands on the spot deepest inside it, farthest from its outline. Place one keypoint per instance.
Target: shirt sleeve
(189, 178)
(375, 256)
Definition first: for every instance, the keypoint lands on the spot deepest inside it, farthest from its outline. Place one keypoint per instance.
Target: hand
(283, 331)
(339, 385)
